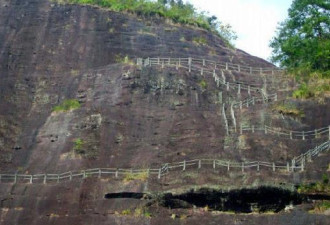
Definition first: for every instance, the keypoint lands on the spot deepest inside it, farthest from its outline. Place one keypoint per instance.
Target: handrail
(215, 65)
(296, 163)
(302, 135)
(188, 63)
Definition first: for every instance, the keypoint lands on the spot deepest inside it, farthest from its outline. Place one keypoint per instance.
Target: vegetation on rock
(176, 10)
(136, 176)
(302, 45)
(200, 41)
(315, 86)
(203, 84)
(303, 40)
(318, 187)
(123, 59)
(78, 146)
(66, 105)
(321, 207)
(288, 109)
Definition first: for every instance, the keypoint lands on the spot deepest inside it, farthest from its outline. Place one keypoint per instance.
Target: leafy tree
(303, 40)
(163, 2)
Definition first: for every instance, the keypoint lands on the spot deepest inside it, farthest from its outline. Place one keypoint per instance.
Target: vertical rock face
(45, 51)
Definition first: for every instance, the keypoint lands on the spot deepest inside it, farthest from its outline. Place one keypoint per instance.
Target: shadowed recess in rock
(262, 200)
(126, 195)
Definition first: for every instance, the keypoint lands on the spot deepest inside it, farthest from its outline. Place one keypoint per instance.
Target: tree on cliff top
(303, 40)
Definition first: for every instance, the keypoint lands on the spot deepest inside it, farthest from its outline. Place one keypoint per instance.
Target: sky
(254, 21)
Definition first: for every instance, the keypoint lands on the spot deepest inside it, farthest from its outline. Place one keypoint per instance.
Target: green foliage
(69, 104)
(315, 87)
(143, 176)
(302, 92)
(288, 109)
(301, 37)
(147, 214)
(325, 205)
(123, 59)
(78, 146)
(142, 212)
(318, 187)
(176, 10)
(199, 41)
(203, 84)
(303, 40)
(325, 179)
(321, 207)
(126, 212)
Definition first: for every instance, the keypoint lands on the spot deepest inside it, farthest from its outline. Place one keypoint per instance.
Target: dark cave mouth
(261, 200)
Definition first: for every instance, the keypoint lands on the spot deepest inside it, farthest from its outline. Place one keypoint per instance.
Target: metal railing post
(258, 167)
(159, 173)
(189, 64)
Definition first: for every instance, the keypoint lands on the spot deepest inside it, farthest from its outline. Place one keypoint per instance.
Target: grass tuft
(199, 41)
(67, 105)
(143, 176)
(78, 146)
(316, 87)
(203, 84)
(288, 109)
(318, 187)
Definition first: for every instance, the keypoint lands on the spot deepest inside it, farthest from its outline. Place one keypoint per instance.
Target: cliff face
(130, 116)
(47, 48)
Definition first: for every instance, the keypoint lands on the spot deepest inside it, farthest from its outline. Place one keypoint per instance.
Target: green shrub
(316, 87)
(78, 146)
(142, 212)
(321, 207)
(66, 105)
(203, 84)
(147, 214)
(325, 205)
(301, 92)
(199, 41)
(318, 187)
(325, 179)
(123, 59)
(175, 10)
(126, 212)
(288, 109)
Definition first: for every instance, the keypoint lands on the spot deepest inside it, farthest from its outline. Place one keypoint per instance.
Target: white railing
(297, 163)
(204, 63)
(188, 63)
(200, 65)
(302, 135)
